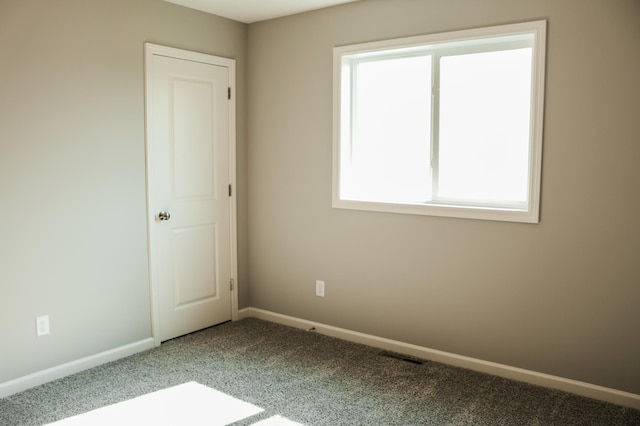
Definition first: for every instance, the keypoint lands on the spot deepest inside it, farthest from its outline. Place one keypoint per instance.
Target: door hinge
(230, 191)
(228, 92)
(231, 284)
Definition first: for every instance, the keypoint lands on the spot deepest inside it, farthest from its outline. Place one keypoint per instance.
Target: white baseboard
(26, 382)
(541, 379)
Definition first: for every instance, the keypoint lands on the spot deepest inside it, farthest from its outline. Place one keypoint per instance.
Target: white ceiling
(249, 11)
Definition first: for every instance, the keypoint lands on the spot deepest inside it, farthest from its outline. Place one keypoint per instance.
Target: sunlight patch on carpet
(187, 404)
(277, 421)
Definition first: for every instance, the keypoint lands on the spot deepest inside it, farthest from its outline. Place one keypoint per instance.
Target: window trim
(442, 208)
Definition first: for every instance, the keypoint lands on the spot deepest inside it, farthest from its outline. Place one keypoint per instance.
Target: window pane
(485, 101)
(390, 150)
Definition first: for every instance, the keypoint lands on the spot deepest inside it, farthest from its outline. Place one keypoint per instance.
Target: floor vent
(402, 357)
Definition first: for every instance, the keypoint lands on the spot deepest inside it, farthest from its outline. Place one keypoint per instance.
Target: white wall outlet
(320, 288)
(42, 325)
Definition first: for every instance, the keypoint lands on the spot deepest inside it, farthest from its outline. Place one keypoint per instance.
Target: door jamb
(150, 50)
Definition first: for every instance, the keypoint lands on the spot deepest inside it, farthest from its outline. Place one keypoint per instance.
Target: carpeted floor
(301, 377)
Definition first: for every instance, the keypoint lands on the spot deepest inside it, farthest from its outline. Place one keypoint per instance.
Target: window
(446, 124)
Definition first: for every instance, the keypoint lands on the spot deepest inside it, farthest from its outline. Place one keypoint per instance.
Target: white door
(188, 179)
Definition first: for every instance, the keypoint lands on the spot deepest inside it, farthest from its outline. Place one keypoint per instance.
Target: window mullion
(435, 123)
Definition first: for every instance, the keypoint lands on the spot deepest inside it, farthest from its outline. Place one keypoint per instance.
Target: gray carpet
(313, 380)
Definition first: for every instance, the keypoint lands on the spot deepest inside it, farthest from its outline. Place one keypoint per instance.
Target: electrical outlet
(320, 288)
(42, 326)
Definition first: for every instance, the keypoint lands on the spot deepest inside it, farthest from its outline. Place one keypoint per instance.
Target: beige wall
(72, 170)
(560, 297)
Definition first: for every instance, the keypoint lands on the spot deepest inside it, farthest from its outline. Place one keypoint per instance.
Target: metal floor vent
(402, 357)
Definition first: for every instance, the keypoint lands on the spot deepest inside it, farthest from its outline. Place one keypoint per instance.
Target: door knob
(164, 215)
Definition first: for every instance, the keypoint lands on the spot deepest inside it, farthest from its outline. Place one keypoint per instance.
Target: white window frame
(343, 56)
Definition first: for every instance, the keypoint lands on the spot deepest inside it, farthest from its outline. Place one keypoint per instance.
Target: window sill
(441, 210)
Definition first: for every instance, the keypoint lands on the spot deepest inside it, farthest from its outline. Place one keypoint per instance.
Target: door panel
(193, 152)
(188, 176)
(195, 275)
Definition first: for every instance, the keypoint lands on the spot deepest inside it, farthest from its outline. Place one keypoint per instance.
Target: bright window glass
(483, 143)
(391, 129)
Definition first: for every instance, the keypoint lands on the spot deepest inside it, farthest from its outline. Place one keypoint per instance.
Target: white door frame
(150, 50)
